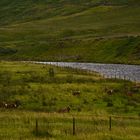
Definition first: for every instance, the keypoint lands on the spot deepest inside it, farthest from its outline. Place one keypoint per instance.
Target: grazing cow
(136, 88)
(11, 105)
(64, 110)
(110, 92)
(2, 104)
(8, 105)
(130, 94)
(76, 93)
(137, 85)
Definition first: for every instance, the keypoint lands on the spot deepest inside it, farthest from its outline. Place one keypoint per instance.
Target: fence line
(70, 125)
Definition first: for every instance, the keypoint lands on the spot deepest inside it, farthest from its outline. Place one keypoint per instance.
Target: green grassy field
(104, 31)
(36, 89)
(22, 125)
(43, 90)
(82, 30)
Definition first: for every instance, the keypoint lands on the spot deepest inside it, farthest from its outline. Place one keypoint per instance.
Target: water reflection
(121, 71)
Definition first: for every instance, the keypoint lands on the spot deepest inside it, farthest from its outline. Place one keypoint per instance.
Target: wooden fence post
(36, 127)
(124, 77)
(110, 123)
(74, 126)
(28, 121)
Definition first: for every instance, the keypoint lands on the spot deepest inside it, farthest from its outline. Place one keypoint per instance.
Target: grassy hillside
(40, 95)
(35, 87)
(73, 30)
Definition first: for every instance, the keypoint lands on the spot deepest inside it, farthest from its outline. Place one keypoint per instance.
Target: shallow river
(121, 71)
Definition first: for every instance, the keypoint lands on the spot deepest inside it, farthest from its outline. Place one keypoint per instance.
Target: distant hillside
(16, 11)
(70, 30)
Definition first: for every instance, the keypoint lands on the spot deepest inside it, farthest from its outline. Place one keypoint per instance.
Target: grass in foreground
(17, 125)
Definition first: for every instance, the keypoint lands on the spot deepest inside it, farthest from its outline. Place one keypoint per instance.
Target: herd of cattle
(67, 109)
(9, 105)
(13, 105)
(16, 104)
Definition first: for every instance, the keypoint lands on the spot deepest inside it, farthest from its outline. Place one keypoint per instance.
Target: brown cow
(10, 105)
(64, 110)
(76, 93)
(110, 92)
(2, 104)
(129, 94)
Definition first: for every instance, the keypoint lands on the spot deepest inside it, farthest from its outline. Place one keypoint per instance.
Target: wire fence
(20, 128)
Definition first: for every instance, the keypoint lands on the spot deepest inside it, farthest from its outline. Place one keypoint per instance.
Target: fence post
(74, 126)
(36, 127)
(28, 121)
(110, 123)
(124, 77)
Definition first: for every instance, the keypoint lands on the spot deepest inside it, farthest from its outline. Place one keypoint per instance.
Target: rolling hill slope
(70, 30)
